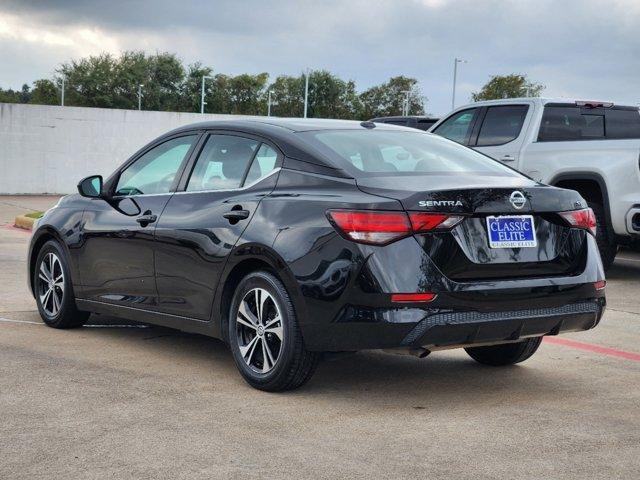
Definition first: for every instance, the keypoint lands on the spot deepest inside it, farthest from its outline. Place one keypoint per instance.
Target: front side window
(502, 124)
(222, 163)
(373, 152)
(458, 126)
(570, 123)
(156, 170)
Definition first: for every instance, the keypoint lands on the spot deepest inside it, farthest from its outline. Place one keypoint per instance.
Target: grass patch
(34, 214)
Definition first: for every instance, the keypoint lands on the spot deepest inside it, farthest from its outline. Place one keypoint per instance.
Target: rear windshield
(401, 152)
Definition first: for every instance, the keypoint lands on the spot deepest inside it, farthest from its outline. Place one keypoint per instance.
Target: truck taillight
(381, 227)
(584, 219)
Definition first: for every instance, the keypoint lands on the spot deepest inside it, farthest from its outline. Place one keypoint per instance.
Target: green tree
(508, 86)
(45, 92)
(287, 93)
(16, 96)
(389, 98)
(190, 95)
(331, 97)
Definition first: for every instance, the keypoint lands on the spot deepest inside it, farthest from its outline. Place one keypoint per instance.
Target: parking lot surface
(120, 400)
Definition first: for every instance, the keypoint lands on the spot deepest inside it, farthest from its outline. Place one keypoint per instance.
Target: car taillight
(584, 218)
(381, 227)
(600, 284)
(413, 297)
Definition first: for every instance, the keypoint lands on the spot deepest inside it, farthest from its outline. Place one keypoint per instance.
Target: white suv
(591, 147)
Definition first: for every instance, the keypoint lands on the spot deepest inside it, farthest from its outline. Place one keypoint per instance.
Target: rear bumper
(460, 328)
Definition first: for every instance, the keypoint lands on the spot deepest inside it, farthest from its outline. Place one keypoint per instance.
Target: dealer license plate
(512, 231)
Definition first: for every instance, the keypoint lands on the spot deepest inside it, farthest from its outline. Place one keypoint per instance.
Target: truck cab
(589, 146)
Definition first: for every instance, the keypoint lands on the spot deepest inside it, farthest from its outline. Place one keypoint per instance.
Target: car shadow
(368, 377)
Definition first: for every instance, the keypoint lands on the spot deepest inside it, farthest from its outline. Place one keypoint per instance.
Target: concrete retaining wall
(47, 149)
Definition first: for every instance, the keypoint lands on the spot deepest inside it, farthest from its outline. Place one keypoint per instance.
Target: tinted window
(426, 124)
(623, 123)
(264, 163)
(396, 122)
(222, 163)
(387, 152)
(502, 124)
(458, 126)
(155, 171)
(570, 123)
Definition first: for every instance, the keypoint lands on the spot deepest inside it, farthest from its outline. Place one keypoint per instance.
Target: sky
(587, 49)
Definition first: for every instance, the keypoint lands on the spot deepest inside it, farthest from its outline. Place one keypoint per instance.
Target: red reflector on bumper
(412, 297)
(599, 285)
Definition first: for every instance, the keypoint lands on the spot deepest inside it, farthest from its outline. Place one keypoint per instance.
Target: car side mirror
(91, 187)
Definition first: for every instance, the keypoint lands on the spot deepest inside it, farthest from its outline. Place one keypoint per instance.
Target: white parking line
(9, 320)
(629, 259)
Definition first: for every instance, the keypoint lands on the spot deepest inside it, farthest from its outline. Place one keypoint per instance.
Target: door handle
(236, 215)
(507, 158)
(145, 220)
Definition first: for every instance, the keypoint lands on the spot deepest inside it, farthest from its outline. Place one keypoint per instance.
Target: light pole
(456, 61)
(269, 104)
(202, 102)
(140, 96)
(62, 94)
(306, 92)
(405, 103)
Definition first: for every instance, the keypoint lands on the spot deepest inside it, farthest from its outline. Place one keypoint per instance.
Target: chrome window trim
(239, 189)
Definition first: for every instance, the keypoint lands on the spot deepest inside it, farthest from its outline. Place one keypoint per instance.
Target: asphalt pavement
(116, 399)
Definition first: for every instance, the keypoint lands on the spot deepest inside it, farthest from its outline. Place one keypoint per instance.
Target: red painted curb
(589, 347)
(13, 227)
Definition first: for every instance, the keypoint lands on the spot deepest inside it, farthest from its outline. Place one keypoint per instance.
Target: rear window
(502, 124)
(400, 152)
(562, 123)
(622, 123)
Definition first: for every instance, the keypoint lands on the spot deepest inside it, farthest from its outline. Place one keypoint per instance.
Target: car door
(501, 133)
(458, 126)
(202, 223)
(116, 259)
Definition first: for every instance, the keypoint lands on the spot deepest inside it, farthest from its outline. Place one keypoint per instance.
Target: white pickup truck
(591, 147)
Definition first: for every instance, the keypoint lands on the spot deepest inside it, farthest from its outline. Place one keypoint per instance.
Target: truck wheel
(604, 236)
(505, 354)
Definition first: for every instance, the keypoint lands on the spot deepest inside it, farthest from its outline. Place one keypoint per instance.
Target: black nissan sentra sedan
(290, 238)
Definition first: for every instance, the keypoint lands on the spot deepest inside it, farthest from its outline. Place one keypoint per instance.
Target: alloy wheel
(51, 284)
(259, 330)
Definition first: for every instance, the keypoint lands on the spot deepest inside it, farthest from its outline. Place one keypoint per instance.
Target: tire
(57, 307)
(505, 354)
(288, 363)
(605, 237)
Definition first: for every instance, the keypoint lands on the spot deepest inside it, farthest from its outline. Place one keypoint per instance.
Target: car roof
(537, 100)
(283, 133)
(271, 124)
(403, 117)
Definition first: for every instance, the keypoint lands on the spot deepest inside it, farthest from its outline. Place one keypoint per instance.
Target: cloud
(588, 48)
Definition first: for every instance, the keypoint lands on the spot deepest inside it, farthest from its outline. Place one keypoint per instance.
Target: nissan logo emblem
(518, 200)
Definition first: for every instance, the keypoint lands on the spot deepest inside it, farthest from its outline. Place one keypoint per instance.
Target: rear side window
(458, 126)
(263, 164)
(384, 152)
(571, 123)
(502, 124)
(622, 123)
(222, 163)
